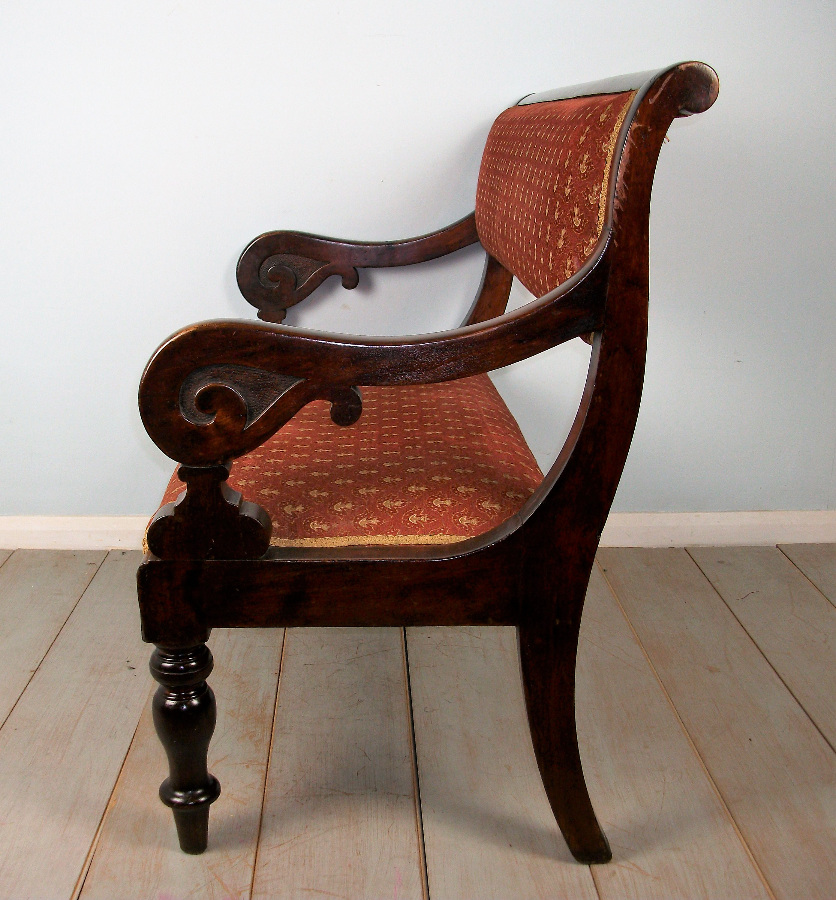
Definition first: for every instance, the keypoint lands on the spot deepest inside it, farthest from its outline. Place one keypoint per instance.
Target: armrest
(280, 268)
(216, 390)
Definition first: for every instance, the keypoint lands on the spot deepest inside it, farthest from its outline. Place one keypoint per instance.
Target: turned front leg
(184, 716)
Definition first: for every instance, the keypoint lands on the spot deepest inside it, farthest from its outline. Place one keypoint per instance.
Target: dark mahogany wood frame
(217, 390)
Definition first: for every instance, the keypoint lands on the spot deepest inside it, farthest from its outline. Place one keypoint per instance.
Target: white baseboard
(72, 532)
(622, 530)
(720, 528)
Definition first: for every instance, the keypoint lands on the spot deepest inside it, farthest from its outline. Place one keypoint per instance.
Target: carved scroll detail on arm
(230, 407)
(225, 410)
(346, 405)
(257, 390)
(287, 279)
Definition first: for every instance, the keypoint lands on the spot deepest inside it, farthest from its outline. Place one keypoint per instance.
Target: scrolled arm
(214, 391)
(280, 268)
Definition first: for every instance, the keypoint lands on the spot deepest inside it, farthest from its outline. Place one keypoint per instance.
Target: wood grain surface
(340, 810)
(341, 815)
(488, 829)
(774, 770)
(818, 563)
(789, 619)
(671, 834)
(63, 745)
(38, 591)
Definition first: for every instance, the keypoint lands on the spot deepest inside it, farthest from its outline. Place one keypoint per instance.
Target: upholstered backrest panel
(542, 191)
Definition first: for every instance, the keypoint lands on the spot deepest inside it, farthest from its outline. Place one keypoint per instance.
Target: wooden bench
(385, 481)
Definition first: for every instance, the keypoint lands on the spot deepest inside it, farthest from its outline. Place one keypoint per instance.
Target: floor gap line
(806, 576)
(416, 779)
(765, 657)
(94, 846)
(52, 642)
(269, 757)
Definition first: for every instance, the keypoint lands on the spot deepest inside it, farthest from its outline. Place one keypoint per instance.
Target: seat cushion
(422, 465)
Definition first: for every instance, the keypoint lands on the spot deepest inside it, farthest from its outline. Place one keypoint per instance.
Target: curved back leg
(559, 543)
(548, 645)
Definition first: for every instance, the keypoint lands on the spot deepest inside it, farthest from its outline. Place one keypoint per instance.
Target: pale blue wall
(145, 144)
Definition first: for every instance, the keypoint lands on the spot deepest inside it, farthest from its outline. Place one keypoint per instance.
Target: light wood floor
(369, 763)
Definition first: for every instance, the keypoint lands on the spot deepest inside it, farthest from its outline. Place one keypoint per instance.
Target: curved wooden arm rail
(280, 268)
(215, 391)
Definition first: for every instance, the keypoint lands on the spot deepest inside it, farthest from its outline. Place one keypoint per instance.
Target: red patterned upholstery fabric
(426, 464)
(542, 191)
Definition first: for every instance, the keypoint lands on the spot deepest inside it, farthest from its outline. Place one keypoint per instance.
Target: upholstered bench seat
(423, 464)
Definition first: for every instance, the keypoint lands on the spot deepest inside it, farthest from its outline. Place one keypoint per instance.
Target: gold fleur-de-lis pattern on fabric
(542, 191)
(423, 464)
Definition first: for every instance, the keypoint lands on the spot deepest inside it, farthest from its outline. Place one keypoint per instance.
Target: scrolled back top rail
(698, 88)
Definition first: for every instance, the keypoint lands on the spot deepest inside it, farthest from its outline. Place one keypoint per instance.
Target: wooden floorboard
(63, 745)
(137, 854)
(775, 772)
(488, 829)
(670, 833)
(789, 619)
(38, 591)
(701, 782)
(818, 563)
(339, 817)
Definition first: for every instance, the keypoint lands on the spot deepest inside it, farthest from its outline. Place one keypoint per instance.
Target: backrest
(541, 198)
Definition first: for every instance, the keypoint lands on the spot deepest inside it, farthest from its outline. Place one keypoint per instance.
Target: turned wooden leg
(184, 716)
(548, 668)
